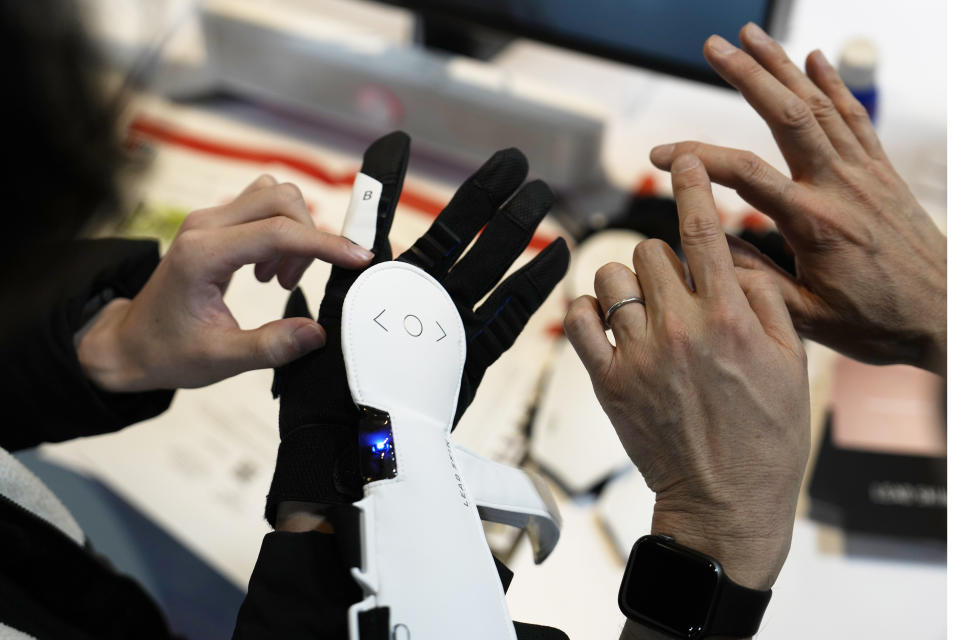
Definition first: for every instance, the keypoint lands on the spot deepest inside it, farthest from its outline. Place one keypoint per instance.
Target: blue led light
(379, 442)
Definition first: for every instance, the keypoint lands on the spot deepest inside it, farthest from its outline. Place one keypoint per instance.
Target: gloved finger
(376, 192)
(471, 207)
(501, 318)
(386, 162)
(500, 244)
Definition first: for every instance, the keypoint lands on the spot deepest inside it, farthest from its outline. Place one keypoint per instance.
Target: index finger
(703, 239)
(229, 248)
(804, 144)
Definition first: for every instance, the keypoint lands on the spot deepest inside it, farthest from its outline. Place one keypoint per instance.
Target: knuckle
(732, 324)
(796, 115)
(750, 167)
(578, 315)
(753, 279)
(650, 250)
(189, 242)
(264, 180)
(677, 337)
(195, 219)
(608, 273)
(763, 282)
(790, 196)
(854, 110)
(278, 225)
(288, 192)
(725, 315)
(700, 229)
(820, 105)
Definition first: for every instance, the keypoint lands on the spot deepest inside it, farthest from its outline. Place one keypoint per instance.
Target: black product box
(879, 493)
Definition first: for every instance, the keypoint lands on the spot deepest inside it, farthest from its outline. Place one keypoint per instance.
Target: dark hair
(60, 142)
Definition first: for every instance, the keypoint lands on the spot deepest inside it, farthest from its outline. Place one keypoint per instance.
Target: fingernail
(309, 337)
(685, 162)
(720, 46)
(660, 155)
(756, 34)
(360, 253)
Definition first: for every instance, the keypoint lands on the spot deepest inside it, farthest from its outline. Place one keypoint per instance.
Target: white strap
(360, 224)
(512, 496)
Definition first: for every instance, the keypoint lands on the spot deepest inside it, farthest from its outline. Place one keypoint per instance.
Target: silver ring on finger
(616, 305)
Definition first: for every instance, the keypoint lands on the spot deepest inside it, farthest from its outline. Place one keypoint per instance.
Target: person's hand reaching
(178, 333)
(707, 388)
(871, 264)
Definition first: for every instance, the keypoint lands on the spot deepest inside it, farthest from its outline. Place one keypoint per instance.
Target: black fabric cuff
(316, 463)
(39, 370)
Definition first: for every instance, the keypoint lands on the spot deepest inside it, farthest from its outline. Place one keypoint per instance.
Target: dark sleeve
(42, 386)
(300, 588)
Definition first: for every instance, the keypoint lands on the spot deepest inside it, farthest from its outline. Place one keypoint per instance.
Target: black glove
(318, 458)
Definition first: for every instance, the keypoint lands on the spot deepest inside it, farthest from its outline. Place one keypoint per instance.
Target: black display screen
(669, 587)
(661, 34)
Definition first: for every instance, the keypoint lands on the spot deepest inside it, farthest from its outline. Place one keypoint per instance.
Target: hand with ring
(706, 387)
(871, 264)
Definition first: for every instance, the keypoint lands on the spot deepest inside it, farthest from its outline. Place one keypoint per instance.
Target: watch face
(668, 587)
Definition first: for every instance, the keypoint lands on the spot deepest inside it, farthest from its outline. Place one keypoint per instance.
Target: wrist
(751, 555)
(105, 355)
(300, 517)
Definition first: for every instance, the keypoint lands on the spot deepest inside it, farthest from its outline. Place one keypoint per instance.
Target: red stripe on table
(147, 127)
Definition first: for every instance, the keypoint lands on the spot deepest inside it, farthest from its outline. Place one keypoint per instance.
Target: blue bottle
(857, 68)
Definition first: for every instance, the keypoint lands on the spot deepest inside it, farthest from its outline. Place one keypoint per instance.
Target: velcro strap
(432, 247)
(316, 463)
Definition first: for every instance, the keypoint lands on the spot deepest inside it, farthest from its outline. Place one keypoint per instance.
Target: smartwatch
(685, 594)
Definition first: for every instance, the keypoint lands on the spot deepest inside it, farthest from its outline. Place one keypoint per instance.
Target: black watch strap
(738, 611)
(685, 593)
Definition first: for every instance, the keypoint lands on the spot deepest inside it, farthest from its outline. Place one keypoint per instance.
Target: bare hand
(707, 389)
(871, 263)
(177, 332)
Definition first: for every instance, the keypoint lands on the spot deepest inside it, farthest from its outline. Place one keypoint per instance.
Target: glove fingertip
(502, 173)
(552, 263)
(386, 156)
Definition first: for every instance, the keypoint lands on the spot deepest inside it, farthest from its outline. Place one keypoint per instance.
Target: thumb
(271, 345)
